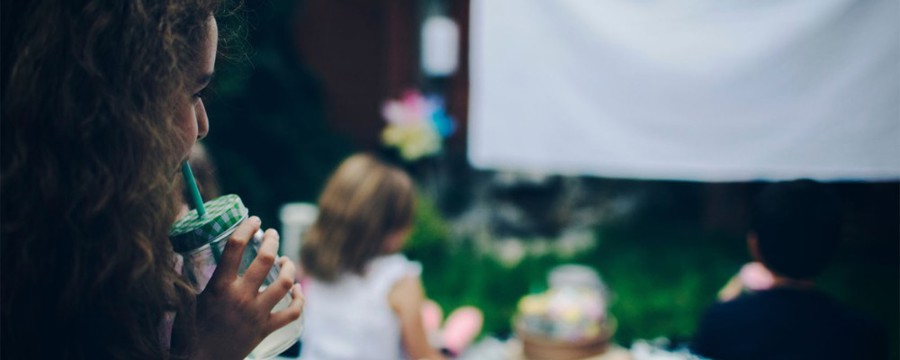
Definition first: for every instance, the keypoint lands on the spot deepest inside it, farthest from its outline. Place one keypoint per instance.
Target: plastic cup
(200, 240)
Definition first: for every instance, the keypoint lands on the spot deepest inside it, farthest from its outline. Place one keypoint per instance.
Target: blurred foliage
(268, 135)
(430, 232)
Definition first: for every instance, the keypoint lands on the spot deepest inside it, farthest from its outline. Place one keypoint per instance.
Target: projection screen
(706, 90)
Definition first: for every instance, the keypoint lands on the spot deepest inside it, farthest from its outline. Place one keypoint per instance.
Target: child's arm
(406, 298)
(731, 289)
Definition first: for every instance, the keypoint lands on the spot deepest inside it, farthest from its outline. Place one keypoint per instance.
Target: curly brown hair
(89, 90)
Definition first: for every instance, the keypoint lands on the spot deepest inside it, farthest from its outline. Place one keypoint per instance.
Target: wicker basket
(537, 347)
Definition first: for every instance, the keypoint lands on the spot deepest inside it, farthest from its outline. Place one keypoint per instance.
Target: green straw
(192, 186)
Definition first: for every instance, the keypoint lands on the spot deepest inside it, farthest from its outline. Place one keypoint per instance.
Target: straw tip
(191, 183)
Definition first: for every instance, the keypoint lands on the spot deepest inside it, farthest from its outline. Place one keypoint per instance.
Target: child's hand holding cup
(201, 240)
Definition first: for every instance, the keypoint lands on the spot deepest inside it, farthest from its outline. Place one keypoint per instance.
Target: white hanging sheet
(709, 90)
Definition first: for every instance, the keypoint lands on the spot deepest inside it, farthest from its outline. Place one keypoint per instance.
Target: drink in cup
(201, 239)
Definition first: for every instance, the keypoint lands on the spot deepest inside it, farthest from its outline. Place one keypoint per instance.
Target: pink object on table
(462, 326)
(432, 314)
(755, 276)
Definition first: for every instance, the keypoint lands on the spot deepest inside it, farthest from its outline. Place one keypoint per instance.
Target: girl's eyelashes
(203, 84)
(200, 94)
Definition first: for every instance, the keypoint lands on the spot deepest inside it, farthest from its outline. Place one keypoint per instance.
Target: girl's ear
(396, 240)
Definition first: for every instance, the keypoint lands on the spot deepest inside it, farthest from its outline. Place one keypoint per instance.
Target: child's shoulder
(391, 268)
(386, 271)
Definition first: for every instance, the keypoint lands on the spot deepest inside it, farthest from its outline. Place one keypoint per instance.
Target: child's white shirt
(351, 318)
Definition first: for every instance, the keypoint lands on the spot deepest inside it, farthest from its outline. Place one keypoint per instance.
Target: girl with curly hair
(101, 104)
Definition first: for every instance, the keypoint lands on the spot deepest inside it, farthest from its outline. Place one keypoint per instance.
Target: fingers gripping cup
(200, 240)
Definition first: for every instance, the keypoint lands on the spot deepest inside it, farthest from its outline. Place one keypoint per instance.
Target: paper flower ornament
(416, 125)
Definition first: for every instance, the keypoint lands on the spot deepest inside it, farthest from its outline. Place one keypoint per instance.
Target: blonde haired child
(363, 298)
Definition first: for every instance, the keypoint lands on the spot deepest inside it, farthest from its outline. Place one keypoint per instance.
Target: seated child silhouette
(781, 314)
(364, 299)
